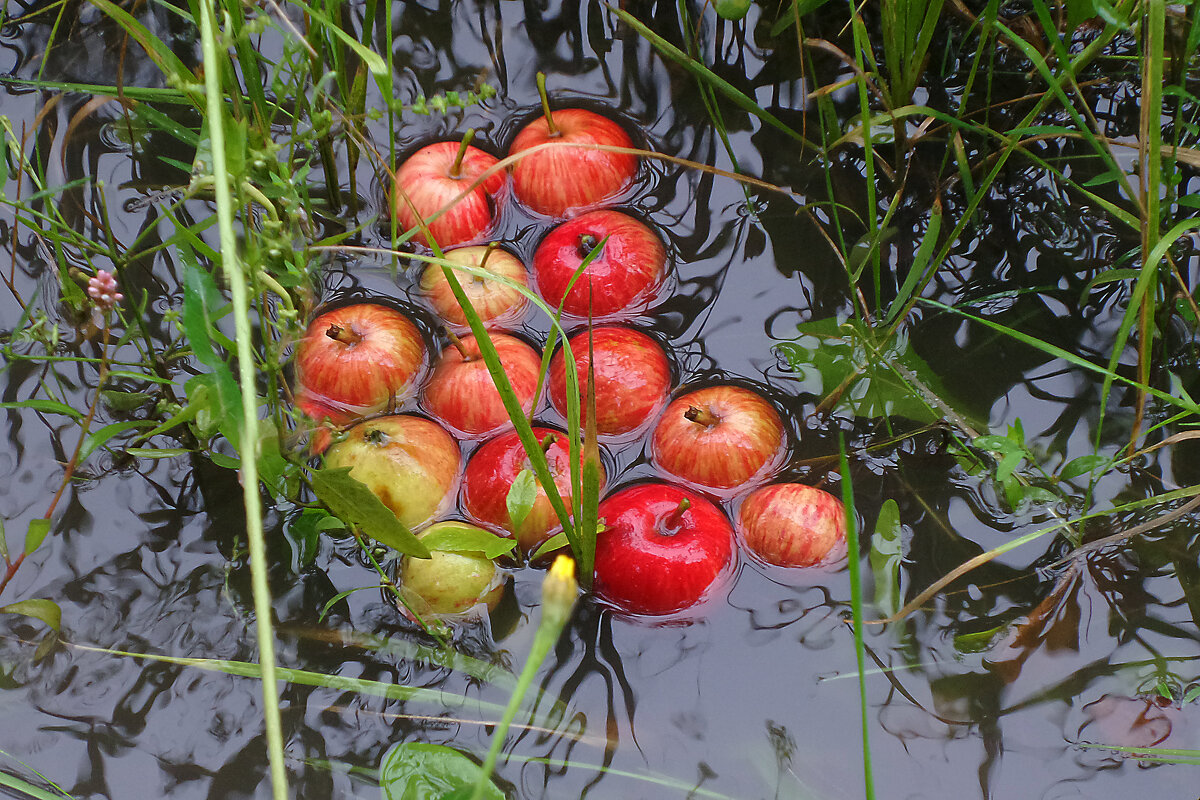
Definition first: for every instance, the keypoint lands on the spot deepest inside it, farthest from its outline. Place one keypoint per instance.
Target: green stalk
(559, 590)
(856, 606)
(238, 282)
(861, 45)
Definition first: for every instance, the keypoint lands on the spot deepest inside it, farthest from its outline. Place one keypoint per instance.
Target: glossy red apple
(792, 525)
(432, 179)
(567, 177)
(409, 462)
(496, 304)
(461, 394)
(489, 476)
(662, 549)
(632, 374)
(622, 279)
(358, 359)
(449, 582)
(719, 438)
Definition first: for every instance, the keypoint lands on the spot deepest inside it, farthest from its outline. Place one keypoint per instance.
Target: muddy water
(756, 699)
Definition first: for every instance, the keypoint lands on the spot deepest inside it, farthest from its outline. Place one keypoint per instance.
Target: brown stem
(548, 442)
(541, 84)
(701, 416)
(459, 346)
(343, 333)
(673, 521)
(456, 167)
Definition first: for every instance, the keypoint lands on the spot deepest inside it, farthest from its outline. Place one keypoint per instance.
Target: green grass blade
(856, 603)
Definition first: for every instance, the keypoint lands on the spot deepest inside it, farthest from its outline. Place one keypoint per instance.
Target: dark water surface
(756, 699)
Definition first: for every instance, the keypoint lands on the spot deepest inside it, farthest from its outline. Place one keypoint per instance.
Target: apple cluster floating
(665, 545)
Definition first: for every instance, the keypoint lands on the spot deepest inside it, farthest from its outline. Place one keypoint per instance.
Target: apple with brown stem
(720, 437)
(496, 303)
(574, 173)
(461, 393)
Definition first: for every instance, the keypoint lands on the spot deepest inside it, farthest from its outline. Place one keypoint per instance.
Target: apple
(409, 462)
(461, 394)
(719, 437)
(632, 378)
(496, 304)
(326, 417)
(620, 281)
(356, 360)
(793, 525)
(431, 181)
(557, 180)
(449, 582)
(661, 550)
(489, 476)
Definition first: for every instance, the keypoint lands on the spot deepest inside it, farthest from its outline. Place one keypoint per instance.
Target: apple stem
(548, 442)
(483, 259)
(343, 333)
(701, 416)
(456, 167)
(675, 519)
(459, 346)
(541, 84)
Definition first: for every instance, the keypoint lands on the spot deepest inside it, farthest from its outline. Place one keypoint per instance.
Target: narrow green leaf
(28, 789)
(521, 497)
(1081, 466)
(459, 537)
(886, 555)
(3, 542)
(589, 501)
(555, 542)
(44, 407)
(357, 505)
(38, 608)
(995, 444)
(201, 301)
(339, 597)
(39, 529)
(921, 263)
(157, 452)
(101, 437)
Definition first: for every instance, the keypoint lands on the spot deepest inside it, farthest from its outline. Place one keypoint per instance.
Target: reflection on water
(983, 693)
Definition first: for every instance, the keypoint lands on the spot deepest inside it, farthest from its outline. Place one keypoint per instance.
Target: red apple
(409, 462)
(661, 550)
(792, 525)
(461, 393)
(358, 359)
(719, 437)
(489, 476)
(621, 281)
(449, 582)
(431, 180)
(496, 304)
(557, 180)
(632, 377)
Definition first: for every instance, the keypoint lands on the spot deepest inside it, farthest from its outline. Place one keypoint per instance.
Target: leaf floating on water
(38, 608)
(420, 771)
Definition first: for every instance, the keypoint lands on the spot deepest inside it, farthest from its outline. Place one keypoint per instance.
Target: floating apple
(620, 281)
(792, 525)
(568, 176)
(632, 377)
(409, 462)
(661, 550)
(461, 393)
(430, 181)
(495, 303)
(719, 437)
(357, 359)
(449, 582)
(489, 477)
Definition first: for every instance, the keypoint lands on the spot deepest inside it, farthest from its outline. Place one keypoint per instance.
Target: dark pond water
(759, 697)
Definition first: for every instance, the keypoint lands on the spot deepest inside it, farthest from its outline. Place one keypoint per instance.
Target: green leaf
(157, 452)
(39, 529)
(201, 302)
(996, 444)
(45, 407)
(731, 9)
(38, 608)
(339, 597)
(871, 378)
(120, 400)
(521, 497)
(101, 437)
(550, 545)
(459, 537)
(421, 771)
(357, 505)
(1083, 465)
(1191, 694)
(224, 461)
(3, 542)
(886, 555)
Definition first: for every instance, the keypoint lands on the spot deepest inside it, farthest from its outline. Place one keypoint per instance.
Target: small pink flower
(103, 290)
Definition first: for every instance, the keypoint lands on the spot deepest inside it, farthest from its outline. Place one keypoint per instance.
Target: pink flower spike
(103, 290)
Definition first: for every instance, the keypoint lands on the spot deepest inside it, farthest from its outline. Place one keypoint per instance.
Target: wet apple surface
(462, 394)
(427, 190)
